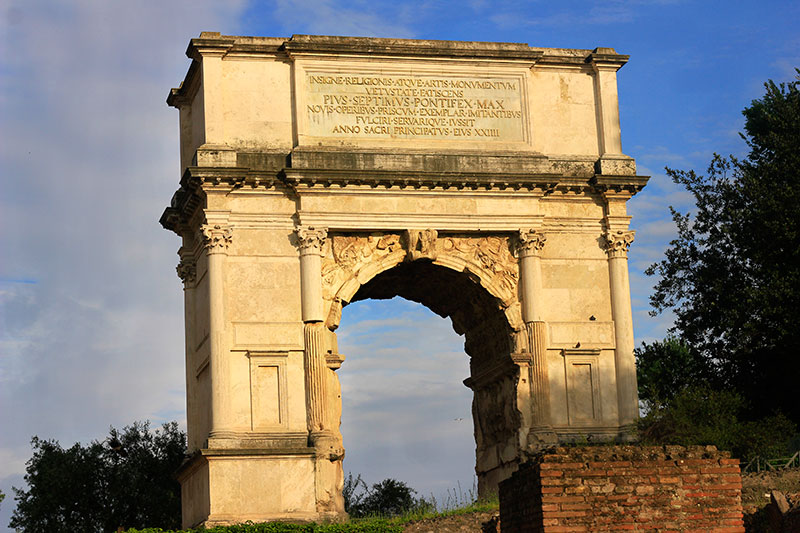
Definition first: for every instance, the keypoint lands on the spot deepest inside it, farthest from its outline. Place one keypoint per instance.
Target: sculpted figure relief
(348, 253)
(491, 253)
(420, 244)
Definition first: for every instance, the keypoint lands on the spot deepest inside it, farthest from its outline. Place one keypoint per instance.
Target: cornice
(177, 215)
(197, 181)
(324, 44)
(209, 43)
(607, 58)
(542, 182)
(184, 93)
(618, 184)
(502, 369)
(216, 44)
(234, 177)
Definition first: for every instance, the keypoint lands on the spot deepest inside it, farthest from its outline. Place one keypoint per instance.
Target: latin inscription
(408, 107)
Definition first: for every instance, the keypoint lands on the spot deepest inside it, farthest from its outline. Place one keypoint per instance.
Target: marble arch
(484, 180)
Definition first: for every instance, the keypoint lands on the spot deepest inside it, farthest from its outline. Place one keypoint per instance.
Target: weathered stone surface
(484, 180)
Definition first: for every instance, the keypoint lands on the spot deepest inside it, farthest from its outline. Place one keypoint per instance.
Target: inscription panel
(362, 106)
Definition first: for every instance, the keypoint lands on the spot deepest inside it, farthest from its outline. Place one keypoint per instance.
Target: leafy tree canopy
(666, 368)
(387, 498)
(732, 276)
(125, 480)
(700, 414)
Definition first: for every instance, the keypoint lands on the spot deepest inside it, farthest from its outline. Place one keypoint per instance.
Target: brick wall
(624, 488)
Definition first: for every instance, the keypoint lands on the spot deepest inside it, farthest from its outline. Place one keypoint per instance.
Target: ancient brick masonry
(624, 488)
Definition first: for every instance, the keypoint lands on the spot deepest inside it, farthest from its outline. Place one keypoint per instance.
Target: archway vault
(471, 279)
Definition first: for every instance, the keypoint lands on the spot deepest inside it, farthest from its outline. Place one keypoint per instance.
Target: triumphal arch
(484, 180)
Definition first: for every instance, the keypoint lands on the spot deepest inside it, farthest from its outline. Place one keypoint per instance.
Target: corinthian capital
(311, 239)
(618, 242)
(530, 242)
(187, 270)
(215, 238)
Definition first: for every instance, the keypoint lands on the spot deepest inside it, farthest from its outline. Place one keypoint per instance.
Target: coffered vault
(483, 180)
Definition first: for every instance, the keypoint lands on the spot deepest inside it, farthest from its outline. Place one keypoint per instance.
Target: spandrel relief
(492, 254)
(348, 254)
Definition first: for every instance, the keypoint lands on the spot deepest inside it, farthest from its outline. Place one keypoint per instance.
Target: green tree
(700, 414)
(387, 498)
(666, 368)
(125, 480)
(732, 276)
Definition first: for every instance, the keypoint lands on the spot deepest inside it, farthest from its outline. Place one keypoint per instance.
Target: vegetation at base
(368, 524)
(395, 500)
(728, 375)
(387, 498)
(375, 525)
(124, 480)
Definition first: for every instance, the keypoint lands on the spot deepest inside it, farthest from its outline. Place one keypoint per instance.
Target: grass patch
(365, 525)
(488, 505)
(456, 503)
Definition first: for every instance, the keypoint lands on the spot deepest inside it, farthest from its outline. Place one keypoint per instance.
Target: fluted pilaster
(529, 247)
(215, 240)
(312, 242)
(617, 244)
(315, 368)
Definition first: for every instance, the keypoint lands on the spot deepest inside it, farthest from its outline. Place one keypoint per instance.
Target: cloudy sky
(90, 306)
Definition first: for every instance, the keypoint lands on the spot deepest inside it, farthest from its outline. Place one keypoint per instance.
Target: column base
(596, 434)
(540, 438)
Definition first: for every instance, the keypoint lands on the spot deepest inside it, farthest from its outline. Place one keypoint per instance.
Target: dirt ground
(756, 488)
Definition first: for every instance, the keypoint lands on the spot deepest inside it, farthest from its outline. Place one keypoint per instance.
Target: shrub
(704, 415)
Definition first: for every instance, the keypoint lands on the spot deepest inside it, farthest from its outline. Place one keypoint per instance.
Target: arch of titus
(483, 180)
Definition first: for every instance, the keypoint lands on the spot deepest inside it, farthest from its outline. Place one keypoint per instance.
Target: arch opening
(489, 342)
(405, 414)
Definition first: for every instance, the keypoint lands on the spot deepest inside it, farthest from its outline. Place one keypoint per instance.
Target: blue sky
(90, 307)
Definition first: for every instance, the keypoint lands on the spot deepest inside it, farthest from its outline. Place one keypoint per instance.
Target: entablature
(197, 182)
